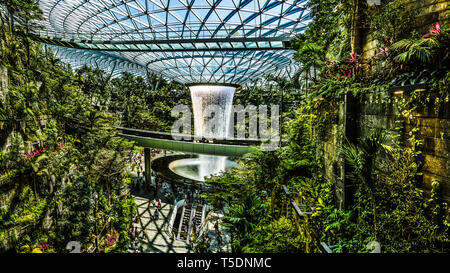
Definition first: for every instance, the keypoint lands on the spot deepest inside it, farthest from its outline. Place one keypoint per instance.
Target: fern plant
(416, 50)
(362, 160)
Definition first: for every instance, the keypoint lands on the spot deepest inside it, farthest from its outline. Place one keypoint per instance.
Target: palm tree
(361, 158)
(420, 50)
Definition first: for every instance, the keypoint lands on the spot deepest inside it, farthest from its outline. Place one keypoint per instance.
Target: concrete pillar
(349, 113)
(148, 166)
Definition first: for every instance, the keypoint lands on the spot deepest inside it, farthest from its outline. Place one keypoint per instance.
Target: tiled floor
(158, 239)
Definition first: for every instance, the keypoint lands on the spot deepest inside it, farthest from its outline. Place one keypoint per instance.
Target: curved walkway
(165, 141)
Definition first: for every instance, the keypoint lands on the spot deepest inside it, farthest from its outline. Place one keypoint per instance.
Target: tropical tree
(362, 158)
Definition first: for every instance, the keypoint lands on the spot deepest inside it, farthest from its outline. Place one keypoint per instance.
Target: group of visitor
(136, 161)
(157, 205)
(197, 225)
(154, 152)
(186, 191)
(133, 234)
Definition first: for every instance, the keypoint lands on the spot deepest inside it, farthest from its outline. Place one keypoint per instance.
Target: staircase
(189, 213)
(197, 214)
(184, 223)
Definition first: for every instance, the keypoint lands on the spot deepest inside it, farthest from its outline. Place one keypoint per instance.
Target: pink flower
(383, 51)
(432, 32)
(354, 58)
(349, 74)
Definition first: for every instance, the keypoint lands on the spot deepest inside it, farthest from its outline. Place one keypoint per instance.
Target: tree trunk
(27, 45)
(375, 219)
(356, 31)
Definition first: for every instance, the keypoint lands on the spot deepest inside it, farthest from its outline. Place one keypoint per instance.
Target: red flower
(432, 32)
(383, 51)
(354, 58)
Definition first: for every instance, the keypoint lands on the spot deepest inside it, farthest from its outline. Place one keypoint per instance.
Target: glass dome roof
(190, 41)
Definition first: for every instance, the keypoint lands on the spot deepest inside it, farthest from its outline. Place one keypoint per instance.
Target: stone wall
(358, 117)
(380, 110)
(328, 148)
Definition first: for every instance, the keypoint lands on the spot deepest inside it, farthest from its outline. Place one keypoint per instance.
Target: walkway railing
(189, 138)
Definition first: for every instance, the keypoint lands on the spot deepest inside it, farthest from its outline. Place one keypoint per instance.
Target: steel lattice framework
(190, 41)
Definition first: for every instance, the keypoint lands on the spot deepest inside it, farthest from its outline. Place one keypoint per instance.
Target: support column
(349, 113)
(147, 166)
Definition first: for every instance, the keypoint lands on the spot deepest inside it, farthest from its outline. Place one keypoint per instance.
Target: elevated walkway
(190, 144)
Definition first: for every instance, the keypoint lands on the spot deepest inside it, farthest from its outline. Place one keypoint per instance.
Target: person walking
(144, 234)
(216, 226)
(159, 203)
(156, 214)
(136, 232)
(219, 239)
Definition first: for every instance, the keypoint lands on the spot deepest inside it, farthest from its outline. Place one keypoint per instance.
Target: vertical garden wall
(392, 107)
(418, 14)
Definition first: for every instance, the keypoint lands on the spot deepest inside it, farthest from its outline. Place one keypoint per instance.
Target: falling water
(219, 100)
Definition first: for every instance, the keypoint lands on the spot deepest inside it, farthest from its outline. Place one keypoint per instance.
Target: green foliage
(392, 20)
(76, 222)
(326, 40)
(389, 205)
(419, 50)
(51, 194)
(425, 57)
(125, 211)
(279, 236)
(145, 105)
(84, 155)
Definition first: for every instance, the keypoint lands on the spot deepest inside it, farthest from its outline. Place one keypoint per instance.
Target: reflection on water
(192, 167)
